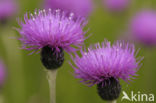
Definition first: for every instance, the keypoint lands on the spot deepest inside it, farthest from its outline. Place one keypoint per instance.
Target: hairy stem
(51, 76)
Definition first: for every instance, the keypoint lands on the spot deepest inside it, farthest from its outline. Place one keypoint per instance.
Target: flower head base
(116, 5)
(52, 28)
(2, 73)
(143, 27)
(111, 90)
(101, 63)
(52, 59)
(78, 7)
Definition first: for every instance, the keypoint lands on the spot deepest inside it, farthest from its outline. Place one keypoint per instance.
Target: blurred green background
(26, 79)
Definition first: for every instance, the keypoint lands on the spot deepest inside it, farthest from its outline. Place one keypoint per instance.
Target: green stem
(52, 84)
(112, 101)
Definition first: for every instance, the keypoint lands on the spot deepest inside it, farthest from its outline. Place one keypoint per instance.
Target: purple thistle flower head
(7, 8)
(143, 27)
(52, 28)
(78, 7)
(103, 62)
(2, 73)
(116, 5)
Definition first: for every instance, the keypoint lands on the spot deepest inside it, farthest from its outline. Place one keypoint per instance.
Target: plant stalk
(51, 76)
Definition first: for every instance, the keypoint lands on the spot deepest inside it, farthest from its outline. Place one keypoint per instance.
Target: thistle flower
(52, 31)
(2, 73)
(105, 65)
(116, 5)
(7, 8)
(143, 27)
(78, 7)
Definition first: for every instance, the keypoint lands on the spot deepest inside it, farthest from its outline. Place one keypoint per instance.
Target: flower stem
(51, 76)
(112, 101)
